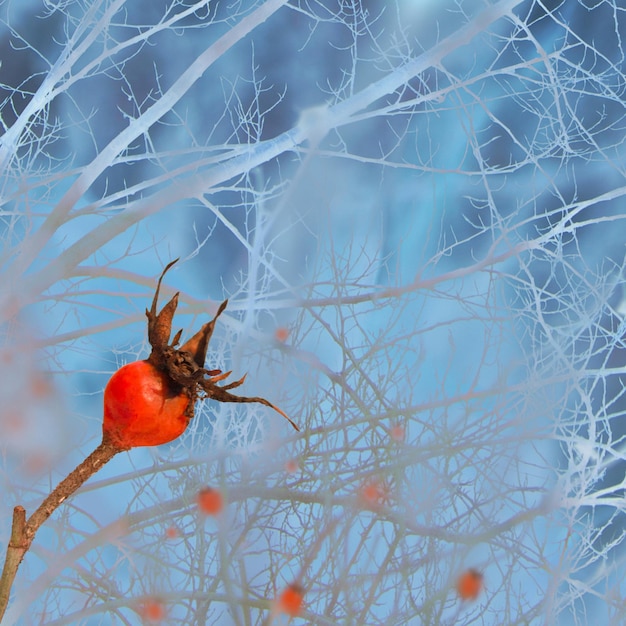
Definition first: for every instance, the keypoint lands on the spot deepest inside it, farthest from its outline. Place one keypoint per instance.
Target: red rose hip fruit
(151, 402)
(142, 407)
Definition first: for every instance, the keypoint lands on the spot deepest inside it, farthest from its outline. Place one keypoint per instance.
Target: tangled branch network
(416, 213)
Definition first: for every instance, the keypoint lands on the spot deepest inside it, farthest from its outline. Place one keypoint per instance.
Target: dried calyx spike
(185, 365)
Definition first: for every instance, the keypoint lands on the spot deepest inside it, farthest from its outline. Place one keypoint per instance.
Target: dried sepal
(185, 365)
(222, 395)
(177, 337)
(197, 346)
(160, 325)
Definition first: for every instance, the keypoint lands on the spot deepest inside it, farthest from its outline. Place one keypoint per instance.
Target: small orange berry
(210, 501)
(397, 433)
(281, 334)
(41, 387)
(292, 466)
(470, 584)
(373, 494)
(152, 610)
(13, 422)
(172, 532)
(290, 601)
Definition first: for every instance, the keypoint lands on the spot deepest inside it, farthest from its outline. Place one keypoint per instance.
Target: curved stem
(23, 531)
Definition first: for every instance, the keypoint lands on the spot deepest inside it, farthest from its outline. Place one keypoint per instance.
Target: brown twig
(23, 531)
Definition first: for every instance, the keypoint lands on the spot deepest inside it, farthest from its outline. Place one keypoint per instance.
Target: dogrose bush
(417, 212)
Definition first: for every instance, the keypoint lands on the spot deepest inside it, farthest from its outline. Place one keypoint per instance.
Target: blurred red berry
(397, 433)
(281, 334)
(172, 532)
(292, 466)
(290, 601)
(373, 495)
(210, 501)
(152, 611)
(470, 584)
